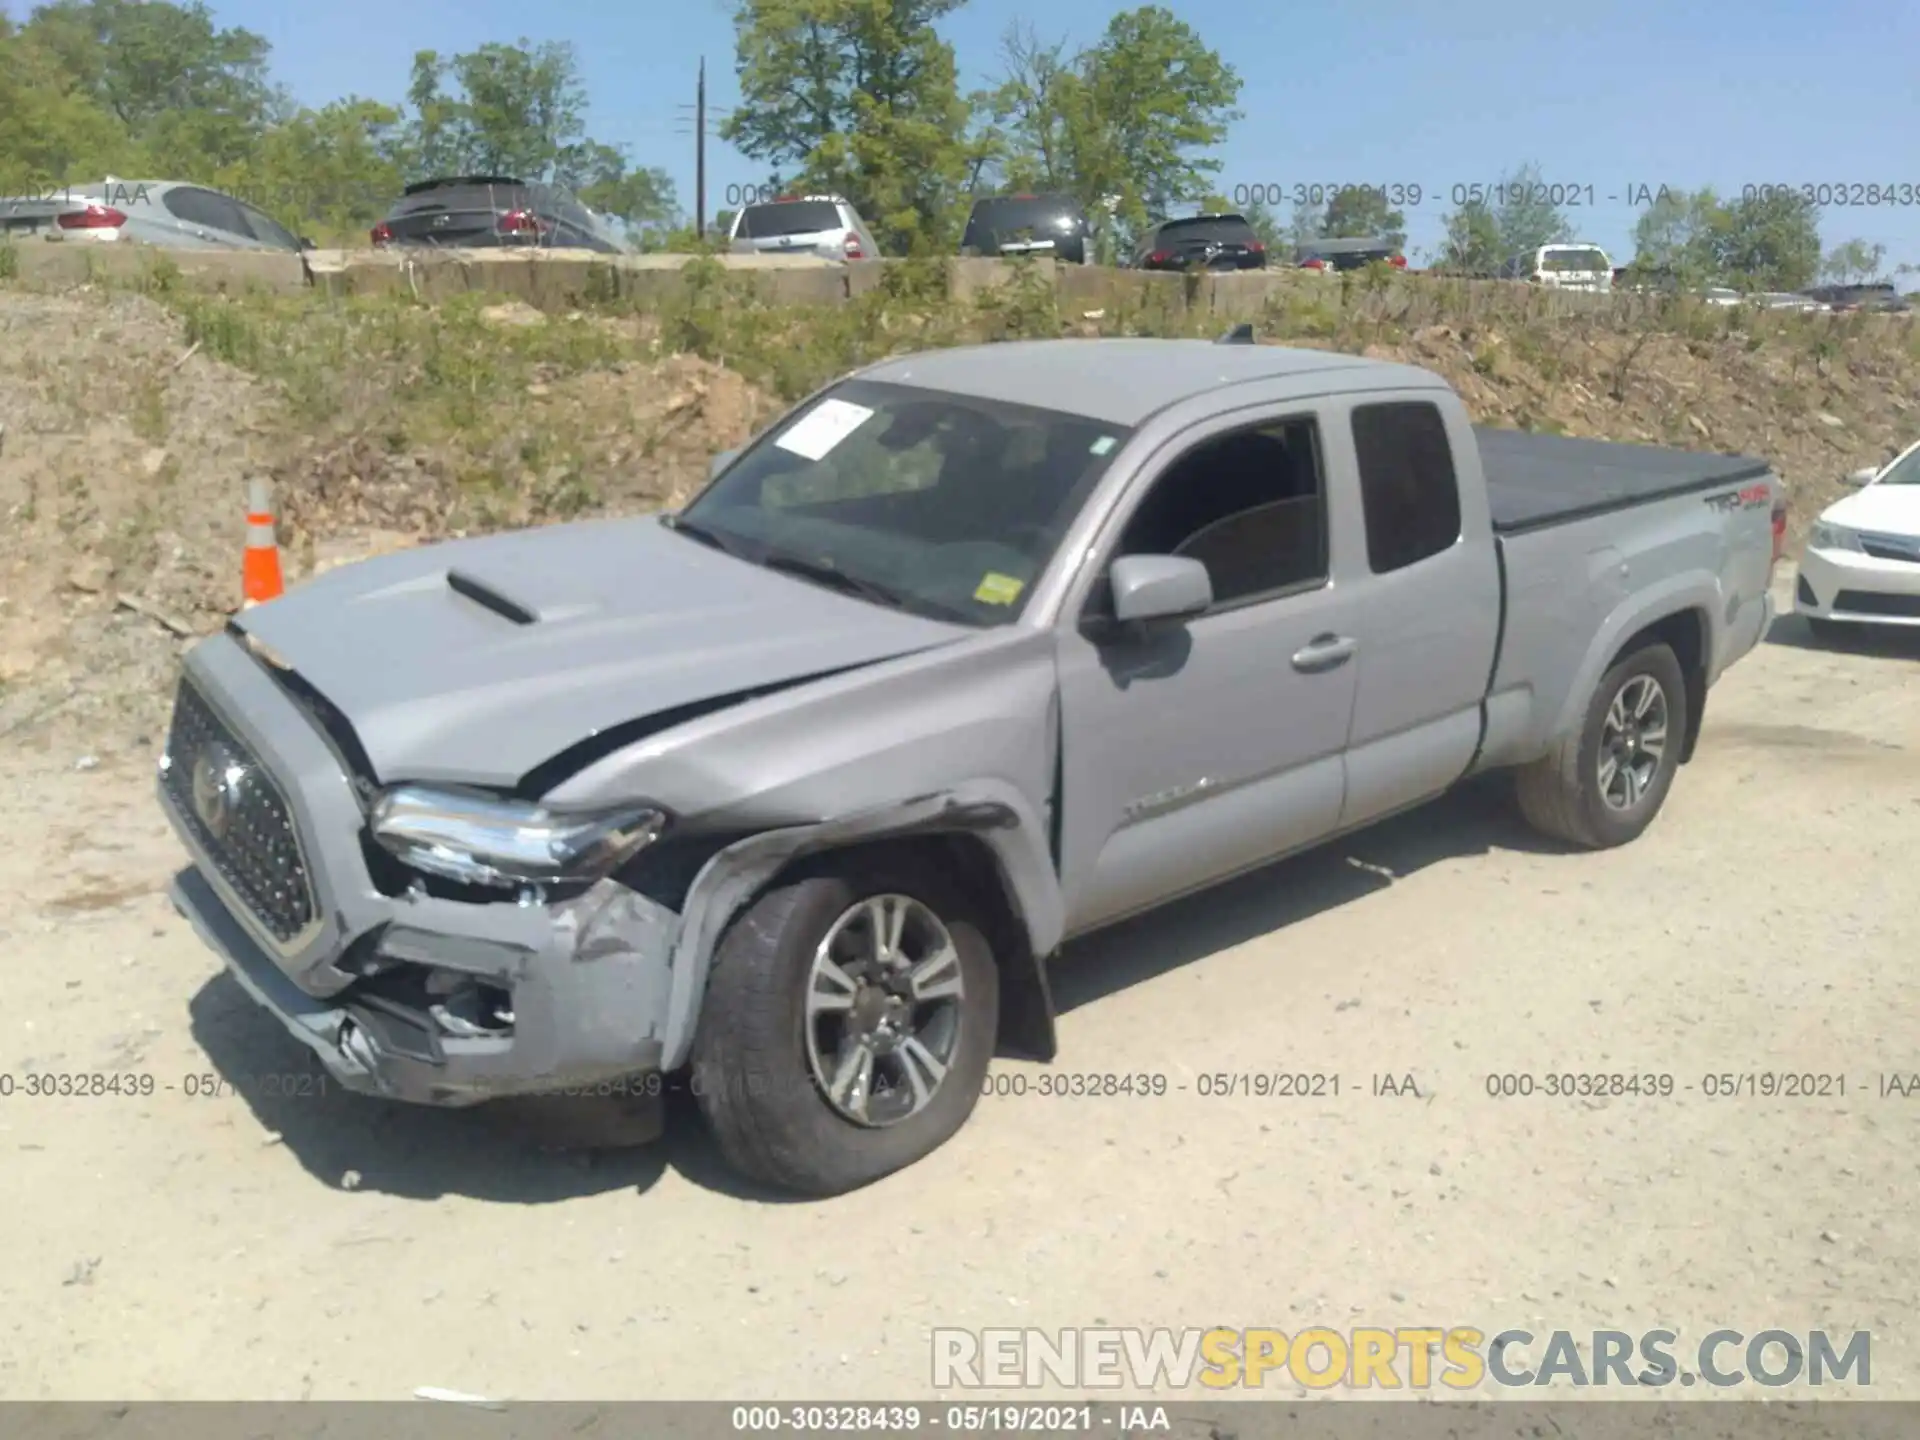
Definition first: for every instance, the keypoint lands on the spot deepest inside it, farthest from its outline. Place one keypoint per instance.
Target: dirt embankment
(127, 445)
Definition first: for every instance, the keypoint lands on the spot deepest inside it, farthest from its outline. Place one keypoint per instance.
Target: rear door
(1207, 747)
(1425, 606)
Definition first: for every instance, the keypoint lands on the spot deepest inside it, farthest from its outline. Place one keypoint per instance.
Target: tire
(1561, 794)
(758, 1081)
(1832, 632)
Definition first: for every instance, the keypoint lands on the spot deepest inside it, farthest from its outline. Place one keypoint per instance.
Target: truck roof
(1119, 381)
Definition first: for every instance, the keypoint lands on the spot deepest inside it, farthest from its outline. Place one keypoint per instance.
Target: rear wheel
(1602, 785)
(847, 1026)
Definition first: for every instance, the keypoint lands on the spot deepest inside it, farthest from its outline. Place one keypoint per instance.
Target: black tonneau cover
(1539, 480)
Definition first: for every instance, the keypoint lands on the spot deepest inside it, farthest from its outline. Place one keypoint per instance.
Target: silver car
(171, 213)
(823, 225)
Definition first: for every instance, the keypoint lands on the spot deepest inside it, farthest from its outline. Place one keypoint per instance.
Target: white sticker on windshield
(824, 427)
(1102, 445)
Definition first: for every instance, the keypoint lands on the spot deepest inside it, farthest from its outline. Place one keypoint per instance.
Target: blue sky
(1605, 95)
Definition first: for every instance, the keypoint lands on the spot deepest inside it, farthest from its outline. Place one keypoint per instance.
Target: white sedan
(1862, 563)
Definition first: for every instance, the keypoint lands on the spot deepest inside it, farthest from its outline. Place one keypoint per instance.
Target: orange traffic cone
(260, 565)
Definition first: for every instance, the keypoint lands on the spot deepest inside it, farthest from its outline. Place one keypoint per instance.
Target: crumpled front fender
(996, 812)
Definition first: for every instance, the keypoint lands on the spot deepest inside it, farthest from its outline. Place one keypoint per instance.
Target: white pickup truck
(795, 792)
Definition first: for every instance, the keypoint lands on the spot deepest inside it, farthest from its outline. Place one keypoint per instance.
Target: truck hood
(478, 660)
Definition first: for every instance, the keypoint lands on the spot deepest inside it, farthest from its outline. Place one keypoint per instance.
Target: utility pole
(700, 154)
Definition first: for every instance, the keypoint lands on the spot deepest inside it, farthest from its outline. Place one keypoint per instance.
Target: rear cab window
(1005, 216)
(788, 217)
(1583, 260)
(1408, 489)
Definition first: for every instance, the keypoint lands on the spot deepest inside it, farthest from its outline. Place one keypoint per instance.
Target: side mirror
(1158, 587)
(1863, 477)
(306, 243)
(720, 462)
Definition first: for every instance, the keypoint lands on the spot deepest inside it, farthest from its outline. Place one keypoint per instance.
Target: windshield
(789, 217)
(1045, 215)
(1904, 471)
(1223, 229)
(1561, 261)
(948, 505)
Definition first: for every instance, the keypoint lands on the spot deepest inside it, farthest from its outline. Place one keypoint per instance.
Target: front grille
(1863, 602)
(238, 816)
(1891, 547)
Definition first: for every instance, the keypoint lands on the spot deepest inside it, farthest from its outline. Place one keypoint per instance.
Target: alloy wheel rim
(883, 1009)
(1633, 742)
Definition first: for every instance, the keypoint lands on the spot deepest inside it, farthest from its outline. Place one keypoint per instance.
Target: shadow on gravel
(503, 1152)
(493, 1153)
(1879, 642)
(1475, 819)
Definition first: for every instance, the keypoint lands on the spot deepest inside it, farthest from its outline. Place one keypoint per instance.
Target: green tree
(1675, 236)
(1127, 121)
(1525, 214)
(519, 110)
(53, 131)
(1854, 262)
(329, 172)
(1473, 245)
(190, 94)
(862, 98)
(1358, 212)
(1767, 241)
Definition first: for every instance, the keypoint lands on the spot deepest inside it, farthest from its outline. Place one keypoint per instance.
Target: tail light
(1159, 257)
(1256, 248)
(1779, 530)
(522, 222)
(854, 252)
(94, 217)
(1313, 264)
(1399, 262)
(381, 234)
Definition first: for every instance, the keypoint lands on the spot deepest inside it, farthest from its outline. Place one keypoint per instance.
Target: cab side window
(1407, 485)
(1250, 505)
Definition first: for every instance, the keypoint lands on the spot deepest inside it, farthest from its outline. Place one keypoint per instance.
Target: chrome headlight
(1826, 536)
(507, 843)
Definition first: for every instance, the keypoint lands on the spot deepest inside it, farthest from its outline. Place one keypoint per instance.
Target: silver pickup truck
(789, 797)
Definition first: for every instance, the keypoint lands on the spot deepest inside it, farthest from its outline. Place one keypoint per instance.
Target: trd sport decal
(1750, 498)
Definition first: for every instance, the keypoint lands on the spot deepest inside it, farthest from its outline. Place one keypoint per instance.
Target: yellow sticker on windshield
(998, 589)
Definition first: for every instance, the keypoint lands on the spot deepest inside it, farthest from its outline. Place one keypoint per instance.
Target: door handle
(1324, 652)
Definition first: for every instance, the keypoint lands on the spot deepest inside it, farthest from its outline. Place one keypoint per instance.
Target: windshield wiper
(827, 573)
(694, 530)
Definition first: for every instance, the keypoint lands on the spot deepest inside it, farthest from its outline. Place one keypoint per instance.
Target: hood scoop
(481, 594)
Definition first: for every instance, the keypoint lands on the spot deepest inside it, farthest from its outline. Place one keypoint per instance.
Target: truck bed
(1535, 481)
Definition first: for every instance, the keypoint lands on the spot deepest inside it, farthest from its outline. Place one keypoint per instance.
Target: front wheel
(1602, 785)
(848, 1024)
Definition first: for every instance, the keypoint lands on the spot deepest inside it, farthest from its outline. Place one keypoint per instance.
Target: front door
(1205, 747)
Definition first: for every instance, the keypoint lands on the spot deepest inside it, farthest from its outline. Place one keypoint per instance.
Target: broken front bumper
(585, 981)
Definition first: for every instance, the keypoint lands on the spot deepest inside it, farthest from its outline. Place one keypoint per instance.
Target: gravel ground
(279, 1246)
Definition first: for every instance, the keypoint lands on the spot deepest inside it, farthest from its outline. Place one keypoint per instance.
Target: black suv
(466, 211)
(1211, 242)
(1043, 225)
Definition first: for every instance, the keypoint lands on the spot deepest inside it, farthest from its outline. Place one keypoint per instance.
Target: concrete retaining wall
(558, 280)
